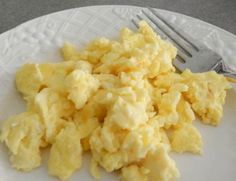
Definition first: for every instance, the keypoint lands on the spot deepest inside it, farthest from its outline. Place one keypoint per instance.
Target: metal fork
(192, 54)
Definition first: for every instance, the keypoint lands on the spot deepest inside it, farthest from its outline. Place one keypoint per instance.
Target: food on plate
(66, 152)
(23, 135)
(122, 100)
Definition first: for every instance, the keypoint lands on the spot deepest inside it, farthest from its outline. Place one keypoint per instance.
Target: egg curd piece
(138, 143)
(91, 53)
(185, 112)
(94, 170)
(186, 138)
(53, 107)
(160, 166)
(133, 172)
(113, 147)
(167, 108)
(167, 52)
(106, 152)
(108, 81)
(54, 74)
(22, 134)
(81, 85)
(85, 125)
(206, 94)
(96, 49)
(69, 52)
(66, 153)
(127, 115)
(29, 79)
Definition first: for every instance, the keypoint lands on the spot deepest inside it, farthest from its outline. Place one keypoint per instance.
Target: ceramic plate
(38, 41)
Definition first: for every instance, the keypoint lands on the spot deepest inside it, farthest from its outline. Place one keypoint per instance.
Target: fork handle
(222, 68)
(230, 76)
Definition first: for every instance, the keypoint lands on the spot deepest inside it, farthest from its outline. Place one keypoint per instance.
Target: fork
(191, 53)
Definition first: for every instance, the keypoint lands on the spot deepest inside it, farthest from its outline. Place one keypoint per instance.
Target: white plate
(38, 41)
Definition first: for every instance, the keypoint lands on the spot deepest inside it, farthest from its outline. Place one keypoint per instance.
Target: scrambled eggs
(122, 100)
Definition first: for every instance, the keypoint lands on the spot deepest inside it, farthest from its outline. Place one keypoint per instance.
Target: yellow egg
(185, 111)
(133, 172)
(53, 108)
(69, 52)
(81, 86)
(126, 115)
(186, 138)
(94, 170)
(161, 167)
(167, 108)
(66, 153)
(22, 134)
(29, 79)
(206, 94)
(119, 99)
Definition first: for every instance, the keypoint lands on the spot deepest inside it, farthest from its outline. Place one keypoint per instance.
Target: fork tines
(184, 43)
(191, 53)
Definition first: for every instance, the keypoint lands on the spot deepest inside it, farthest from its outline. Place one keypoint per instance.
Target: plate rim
(131, 6)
